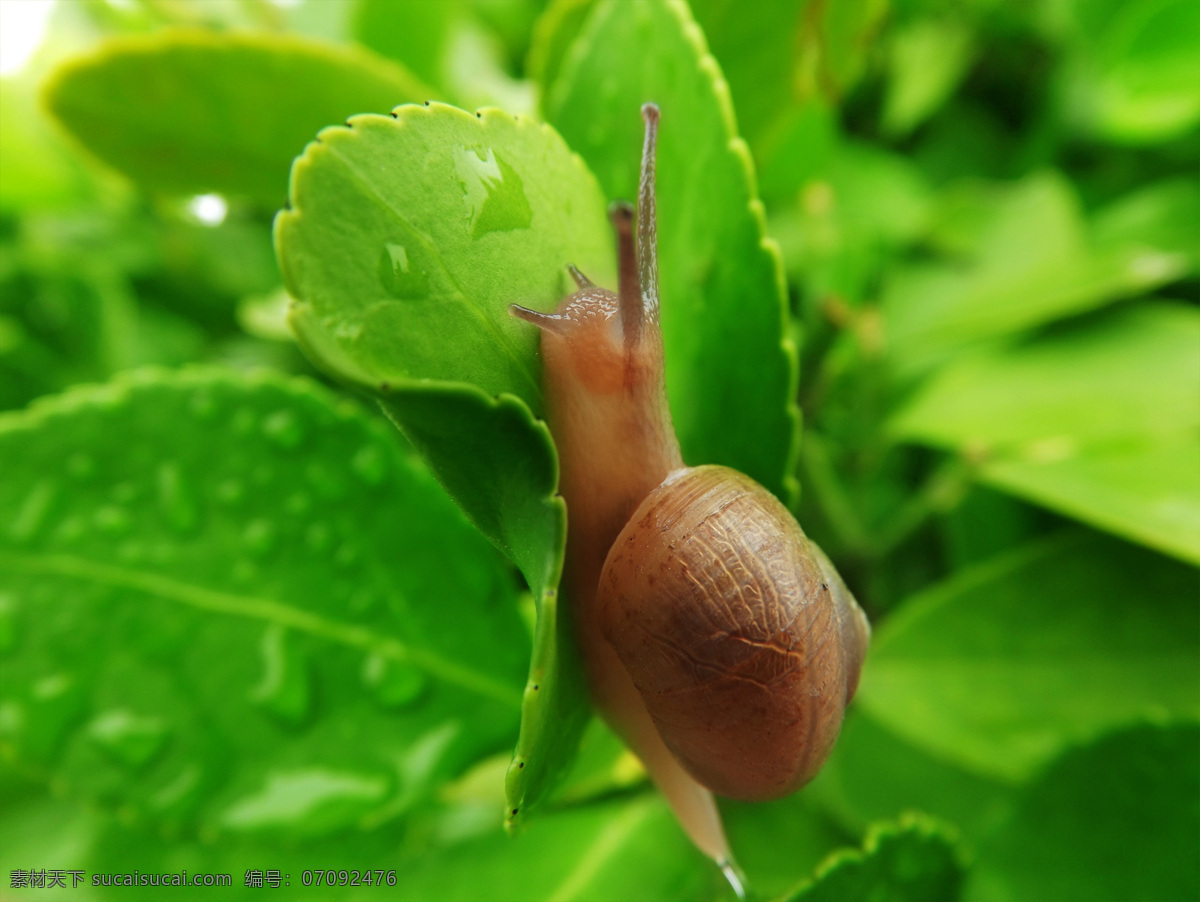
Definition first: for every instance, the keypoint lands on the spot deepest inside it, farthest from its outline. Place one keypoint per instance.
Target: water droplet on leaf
(131, 552)
(175, 499)
(259, 537)
(243, 421)
(81, 466)
(346, 555)
(328, 483)
(56, 704)
(284, 689)
(319, 799)
(370, 464)
(284, 428)
(400, 275)
(392, 683)
(113, 520)
(493, 193)
(132, 739)
(230, 491)
(203, 406)
(8, 621)
(318, 536)
(33, 511)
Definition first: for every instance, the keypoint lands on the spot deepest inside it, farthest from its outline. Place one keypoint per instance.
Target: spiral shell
(743, 641)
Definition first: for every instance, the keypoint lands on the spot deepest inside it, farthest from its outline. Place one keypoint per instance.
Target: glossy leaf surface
(310, 635)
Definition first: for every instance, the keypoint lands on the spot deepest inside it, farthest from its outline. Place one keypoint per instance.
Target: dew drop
(203, 406)
(244, 572)
(175, 500)
(346, 555)
(370, 464)
(323, 800)
(56, 704)
(131, 552)
(230, 492)
(13, 720)
(327, 482)
(284, 428)
(259, 537)
(33, 511)
(8, 621)
(181, 792)
(400, 275)
(124, 492)
(70, 529)
(81, 466)
(113, 520)
(493, 193)
(318, 536)
(392, 683)
(243, 421)
(284, 689)
(362, 600)
(132, 739)
(343, 329)
(734, 875)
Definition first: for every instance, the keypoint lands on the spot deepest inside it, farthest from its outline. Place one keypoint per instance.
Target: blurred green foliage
(242, 626)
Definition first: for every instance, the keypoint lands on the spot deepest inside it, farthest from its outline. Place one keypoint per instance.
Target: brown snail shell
(743, 641)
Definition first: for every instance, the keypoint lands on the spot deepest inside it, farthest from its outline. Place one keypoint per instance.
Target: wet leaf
(406, 242)
(234, 606)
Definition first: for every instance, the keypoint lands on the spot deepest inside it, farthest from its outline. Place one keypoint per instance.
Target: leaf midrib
(263, 609)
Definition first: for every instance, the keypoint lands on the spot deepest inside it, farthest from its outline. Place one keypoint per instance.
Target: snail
(717, 639)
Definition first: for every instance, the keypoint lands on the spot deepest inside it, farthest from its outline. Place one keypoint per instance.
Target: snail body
(717, 639)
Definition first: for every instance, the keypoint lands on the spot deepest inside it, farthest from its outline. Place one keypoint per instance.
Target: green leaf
(217, 112)
(1164, 216)
(413, 32)
(757, 56)
(853, 213)
(912, 860)
(1098, 421)
(835, 39)
(39, 171)
(776, 843)
(1129, 374)
(874, 774)
(619, 850)
(499, 464)
(553, 34)
(406, 242)
(1133, 74)
(731, 366)
(928, 60)
(1117, 819)
(1003, 665)
(1030, 263)
(234, 606)
(409, 237)
(1148, 493)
